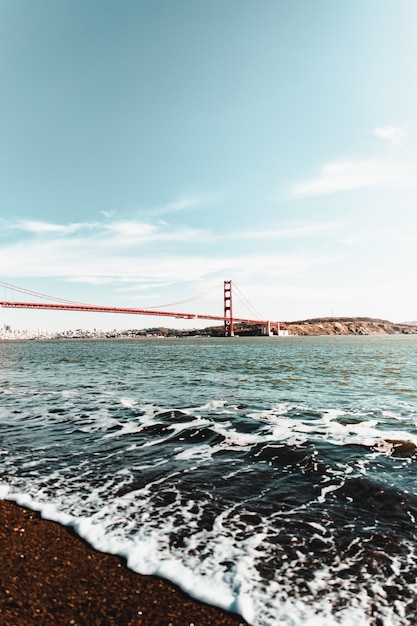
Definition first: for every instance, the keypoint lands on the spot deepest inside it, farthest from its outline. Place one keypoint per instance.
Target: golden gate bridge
(228, 320)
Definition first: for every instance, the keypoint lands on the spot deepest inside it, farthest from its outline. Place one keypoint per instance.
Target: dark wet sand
(49, 576)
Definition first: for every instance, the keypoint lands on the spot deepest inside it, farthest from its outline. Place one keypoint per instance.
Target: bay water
(273, 477)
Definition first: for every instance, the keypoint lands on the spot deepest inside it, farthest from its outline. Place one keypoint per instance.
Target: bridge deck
(128, 311)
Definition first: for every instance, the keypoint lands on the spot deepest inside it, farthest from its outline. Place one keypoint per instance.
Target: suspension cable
(237, 292)
(201, 295)
(37, 294)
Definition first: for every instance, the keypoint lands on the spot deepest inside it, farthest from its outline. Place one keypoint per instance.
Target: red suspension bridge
(228, 320)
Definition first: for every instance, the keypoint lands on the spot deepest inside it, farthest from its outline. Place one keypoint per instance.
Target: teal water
(275, 477)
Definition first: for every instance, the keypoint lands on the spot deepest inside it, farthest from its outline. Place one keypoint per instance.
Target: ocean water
(274, 477)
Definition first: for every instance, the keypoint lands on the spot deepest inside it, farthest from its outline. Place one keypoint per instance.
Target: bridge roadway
(128, 311)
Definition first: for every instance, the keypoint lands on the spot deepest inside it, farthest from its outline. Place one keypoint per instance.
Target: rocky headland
(349, 326)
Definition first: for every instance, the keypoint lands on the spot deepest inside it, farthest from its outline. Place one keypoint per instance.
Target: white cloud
(98, 260)
(123, 273)
(392, 133)
(110, 252)
(124, 233)
(349, 175)
(111, 234)
(184, 203)
(123, 252)
(293, 231)
(38, 227)
(130, 228)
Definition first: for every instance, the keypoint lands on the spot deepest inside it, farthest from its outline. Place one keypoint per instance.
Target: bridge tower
(228, 310)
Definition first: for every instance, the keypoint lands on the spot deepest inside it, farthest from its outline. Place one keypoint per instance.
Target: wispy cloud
(90, 260)
(394, 134)
(39, 227)
(350, 175)
(130, 232)
(116, 251)
(290, 231)
(184, 203)
(116, 233)
(130, 228)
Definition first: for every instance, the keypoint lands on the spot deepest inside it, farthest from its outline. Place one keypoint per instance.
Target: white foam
(212, 405)
(328, 489)
(128, 402)
(130, 526)
(201, 453)
(286, 427)
(144, 544)
(4, 492)
(69, 393)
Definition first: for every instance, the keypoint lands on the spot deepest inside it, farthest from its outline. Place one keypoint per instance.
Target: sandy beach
(49, 576)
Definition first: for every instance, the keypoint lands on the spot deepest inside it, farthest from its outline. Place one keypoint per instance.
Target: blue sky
(152, 149)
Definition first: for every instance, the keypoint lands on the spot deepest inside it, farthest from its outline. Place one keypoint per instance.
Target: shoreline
(51, 576)
(322, 326)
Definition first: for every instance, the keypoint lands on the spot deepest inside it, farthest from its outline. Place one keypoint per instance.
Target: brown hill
(349, 326)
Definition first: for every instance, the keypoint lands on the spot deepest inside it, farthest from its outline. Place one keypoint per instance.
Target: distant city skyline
(152, 150)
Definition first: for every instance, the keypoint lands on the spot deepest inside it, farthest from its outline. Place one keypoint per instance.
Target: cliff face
(349, 326)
